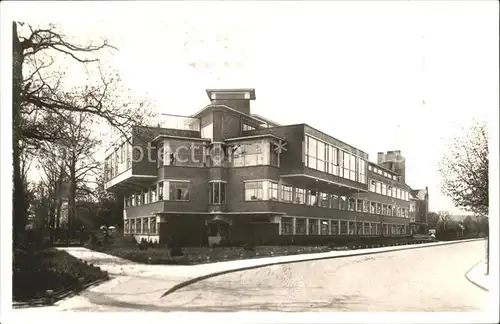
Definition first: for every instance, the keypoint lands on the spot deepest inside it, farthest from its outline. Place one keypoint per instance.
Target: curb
(215, 274)
(472, 281)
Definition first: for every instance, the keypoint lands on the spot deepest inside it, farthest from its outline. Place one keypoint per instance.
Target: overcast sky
(379, 76)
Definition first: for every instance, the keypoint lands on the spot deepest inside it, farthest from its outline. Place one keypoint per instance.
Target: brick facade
(185, 214)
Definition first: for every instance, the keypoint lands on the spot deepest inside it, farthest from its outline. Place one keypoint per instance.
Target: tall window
(343, 227)
(286, 225)
(379, 208)
(378, 187)
(324, 200)
(373, 207)
(321, 158)
(126, 226)
(384, 209)
(300, 196)
(138, 225)
(335, 201)
(160, 190)
(333, 161)
(152, 222)
(352, 228)
(359, 228)
(152, 193)
(359, 207)
(313, 226)
(324, 227)
(372, 185)
(366, 206)
(393, 192)
(351, 204)
(273, 191)
(311, 152)
(366, 228)
(343, 203)
(286, 193)
(352, 165)
(300, 226)
(132, 226)
(312, 196)
(389, 191)
(217, 193)
(145, 225)
(335, 227)
(254, 190)
(349, 166)
(384, 189)
(361, 171)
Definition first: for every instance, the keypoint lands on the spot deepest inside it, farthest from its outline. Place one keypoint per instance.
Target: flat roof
(336, 139)
(253, 137)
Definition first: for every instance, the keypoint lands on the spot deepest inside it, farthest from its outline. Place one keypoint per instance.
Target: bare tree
(80, 147)
(464, 170)
(40, 98)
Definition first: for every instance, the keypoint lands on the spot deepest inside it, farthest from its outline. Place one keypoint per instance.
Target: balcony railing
(178, 122)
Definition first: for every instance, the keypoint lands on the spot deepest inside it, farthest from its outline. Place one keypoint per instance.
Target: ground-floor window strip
(291, 225)
(140, 226)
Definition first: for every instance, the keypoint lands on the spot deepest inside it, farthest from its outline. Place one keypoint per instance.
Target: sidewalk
(137, 286)
(477, 275)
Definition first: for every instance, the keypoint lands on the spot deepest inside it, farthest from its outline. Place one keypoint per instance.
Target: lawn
(192, 255)
(36, 272)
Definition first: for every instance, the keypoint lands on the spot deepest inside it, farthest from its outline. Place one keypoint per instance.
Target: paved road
(422, 279)
(427, 279)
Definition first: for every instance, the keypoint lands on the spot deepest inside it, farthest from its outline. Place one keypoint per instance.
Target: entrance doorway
(219, 229)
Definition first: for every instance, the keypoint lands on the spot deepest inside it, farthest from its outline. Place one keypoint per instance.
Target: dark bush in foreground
(35, 272)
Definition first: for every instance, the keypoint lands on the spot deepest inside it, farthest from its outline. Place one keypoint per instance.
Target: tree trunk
(19, 211)
(72, 195)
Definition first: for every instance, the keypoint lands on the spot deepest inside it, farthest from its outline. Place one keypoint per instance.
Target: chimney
(238, 99)
(396, 162)
(380, 157)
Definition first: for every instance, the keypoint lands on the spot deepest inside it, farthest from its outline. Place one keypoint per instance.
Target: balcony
(178, 122)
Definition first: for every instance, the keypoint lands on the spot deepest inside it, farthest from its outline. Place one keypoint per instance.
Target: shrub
(35, 272)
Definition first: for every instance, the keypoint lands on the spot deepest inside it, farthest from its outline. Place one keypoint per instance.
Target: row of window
(248, 127)
(183, 153)
(119, 161)
(177, 191)
(145, 225)
(327, 158)
(314, 226)
(384, 173)
(270, 190)
(164, 190)
(386, 190)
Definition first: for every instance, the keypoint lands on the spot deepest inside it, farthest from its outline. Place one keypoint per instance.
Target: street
(420, 279)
